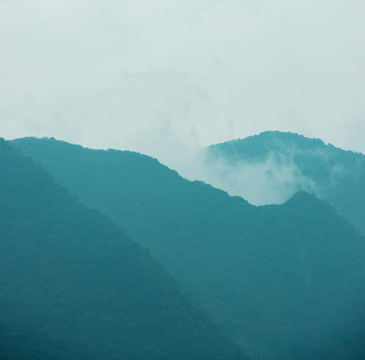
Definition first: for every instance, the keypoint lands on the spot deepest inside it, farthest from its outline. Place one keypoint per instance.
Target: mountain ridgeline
(286, 281)
(73, 286)
(291, 162)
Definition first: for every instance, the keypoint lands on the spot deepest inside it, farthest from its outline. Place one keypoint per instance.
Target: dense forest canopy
(73, 286)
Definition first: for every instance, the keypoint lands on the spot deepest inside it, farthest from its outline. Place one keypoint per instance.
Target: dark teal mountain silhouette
(334, 175)
(286, 281)
(73, 286)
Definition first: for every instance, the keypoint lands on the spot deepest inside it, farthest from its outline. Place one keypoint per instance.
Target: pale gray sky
(165, 76)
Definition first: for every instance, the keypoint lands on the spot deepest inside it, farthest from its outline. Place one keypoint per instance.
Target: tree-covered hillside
(286, 281)
(74, 287)
(334, 175)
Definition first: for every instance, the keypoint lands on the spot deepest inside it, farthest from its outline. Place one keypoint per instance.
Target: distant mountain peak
(301, 198)
(303, 195)
(267, 142)
(281, 163)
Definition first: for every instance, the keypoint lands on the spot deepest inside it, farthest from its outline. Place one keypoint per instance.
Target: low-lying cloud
(265, 182)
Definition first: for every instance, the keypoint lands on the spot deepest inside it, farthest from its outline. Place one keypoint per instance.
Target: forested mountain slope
(291, 162)
(286, 281)
(72, 286)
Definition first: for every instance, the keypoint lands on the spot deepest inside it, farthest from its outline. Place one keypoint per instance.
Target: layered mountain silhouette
(288, 162)
(286, 281)
(73, 286)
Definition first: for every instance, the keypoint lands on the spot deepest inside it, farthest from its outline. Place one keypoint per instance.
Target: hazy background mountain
(286, 281)
(273, 166)
(73, 286)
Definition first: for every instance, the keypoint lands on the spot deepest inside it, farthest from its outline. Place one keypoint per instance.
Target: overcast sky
(163, 76)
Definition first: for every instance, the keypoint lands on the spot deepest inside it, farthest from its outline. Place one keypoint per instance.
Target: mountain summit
(285, 163)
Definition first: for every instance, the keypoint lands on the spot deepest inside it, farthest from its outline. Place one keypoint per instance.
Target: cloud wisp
(271, 181)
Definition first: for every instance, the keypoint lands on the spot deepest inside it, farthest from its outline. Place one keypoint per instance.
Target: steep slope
(290, 162)
(286, 281)
(74, 287)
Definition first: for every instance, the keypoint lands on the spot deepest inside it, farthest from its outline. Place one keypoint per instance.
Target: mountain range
(285, 281)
